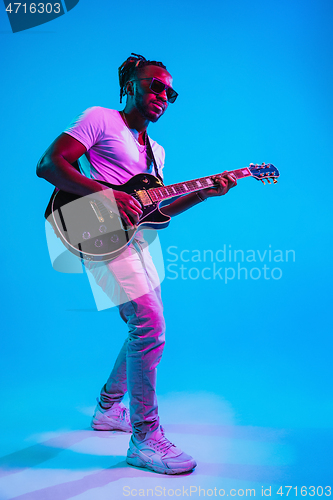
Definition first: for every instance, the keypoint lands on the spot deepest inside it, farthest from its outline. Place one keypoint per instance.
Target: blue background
(255, 85)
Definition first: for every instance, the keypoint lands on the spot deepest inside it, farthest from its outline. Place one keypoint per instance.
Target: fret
(206, 181)
(165, 192)
(241, 172)
(153, 195)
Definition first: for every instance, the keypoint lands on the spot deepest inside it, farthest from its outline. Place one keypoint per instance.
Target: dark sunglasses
(158, 87)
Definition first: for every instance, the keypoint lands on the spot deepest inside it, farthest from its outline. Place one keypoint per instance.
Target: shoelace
(164, 444)
(125, 415)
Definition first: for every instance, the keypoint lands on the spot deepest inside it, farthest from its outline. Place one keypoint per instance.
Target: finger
(133, 212)
(222, 182)
(232, 179)
(134, 203)
(124, 199)
(217, 178)
(131, 216)
(130, 207)
(221, 189)
(126, 219)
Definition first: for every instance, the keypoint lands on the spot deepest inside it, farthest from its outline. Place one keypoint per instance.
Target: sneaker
(115, 419)
(157, 453)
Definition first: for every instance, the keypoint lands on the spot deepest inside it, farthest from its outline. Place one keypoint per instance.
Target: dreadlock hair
(129, 69)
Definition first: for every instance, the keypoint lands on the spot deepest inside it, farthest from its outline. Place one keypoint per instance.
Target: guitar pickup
(96, 210)
(144, 197)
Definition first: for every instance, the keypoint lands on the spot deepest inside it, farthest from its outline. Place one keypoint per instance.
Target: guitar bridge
(97, 211)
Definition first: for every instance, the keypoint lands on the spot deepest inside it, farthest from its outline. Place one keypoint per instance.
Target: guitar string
(158, 192)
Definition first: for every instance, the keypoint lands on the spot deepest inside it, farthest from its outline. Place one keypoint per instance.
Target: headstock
(265, 171)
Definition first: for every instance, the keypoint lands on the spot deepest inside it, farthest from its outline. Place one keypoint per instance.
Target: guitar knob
(114, 238)
(102, 229)
(98, 243)
(86, 235)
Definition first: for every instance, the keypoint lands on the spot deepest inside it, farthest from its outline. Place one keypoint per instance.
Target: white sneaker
(117, 418)
(157, 453)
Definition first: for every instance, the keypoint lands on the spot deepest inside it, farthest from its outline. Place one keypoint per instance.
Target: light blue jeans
(131, 282)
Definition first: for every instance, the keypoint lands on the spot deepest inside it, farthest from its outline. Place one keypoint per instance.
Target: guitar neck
(167, 192)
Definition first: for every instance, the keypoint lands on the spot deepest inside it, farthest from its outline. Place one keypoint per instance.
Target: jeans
(131, 281)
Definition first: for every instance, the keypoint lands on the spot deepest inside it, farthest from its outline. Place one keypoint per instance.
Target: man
(116, 145)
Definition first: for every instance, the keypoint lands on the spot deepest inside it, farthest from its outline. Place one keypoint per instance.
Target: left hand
(224, 182)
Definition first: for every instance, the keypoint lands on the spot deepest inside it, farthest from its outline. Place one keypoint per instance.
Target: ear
(129, 88)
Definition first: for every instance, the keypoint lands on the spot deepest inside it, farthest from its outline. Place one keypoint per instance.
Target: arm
(224, 181)
(55, 166)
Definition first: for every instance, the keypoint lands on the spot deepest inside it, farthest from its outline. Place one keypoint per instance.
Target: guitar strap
(151, 155)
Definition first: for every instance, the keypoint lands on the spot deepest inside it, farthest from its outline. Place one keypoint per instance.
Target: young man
(116, 146)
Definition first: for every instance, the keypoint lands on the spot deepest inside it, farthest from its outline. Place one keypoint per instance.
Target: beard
(143, 109)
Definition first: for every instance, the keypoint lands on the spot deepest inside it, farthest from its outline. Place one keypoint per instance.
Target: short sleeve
(88, 127)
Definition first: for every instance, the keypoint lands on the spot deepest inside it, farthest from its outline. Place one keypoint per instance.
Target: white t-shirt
(112, 153)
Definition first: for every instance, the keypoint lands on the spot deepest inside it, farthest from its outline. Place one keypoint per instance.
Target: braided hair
(129, 69)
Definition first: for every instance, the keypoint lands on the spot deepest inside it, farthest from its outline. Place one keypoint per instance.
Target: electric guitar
(93, 232)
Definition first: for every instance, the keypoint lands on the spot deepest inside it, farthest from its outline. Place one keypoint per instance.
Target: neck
(135, 120)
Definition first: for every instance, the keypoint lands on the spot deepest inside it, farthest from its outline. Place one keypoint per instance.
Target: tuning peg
(275, 180)
(262, 180)
(269, 182)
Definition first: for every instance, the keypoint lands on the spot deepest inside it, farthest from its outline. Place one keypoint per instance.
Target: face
(151, 106)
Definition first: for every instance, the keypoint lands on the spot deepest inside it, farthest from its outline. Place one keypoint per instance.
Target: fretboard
(167, 192)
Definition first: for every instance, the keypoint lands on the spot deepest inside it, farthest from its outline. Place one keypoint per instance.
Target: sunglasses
(157, 87)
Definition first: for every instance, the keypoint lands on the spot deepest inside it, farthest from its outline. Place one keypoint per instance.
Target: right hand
(128, 207)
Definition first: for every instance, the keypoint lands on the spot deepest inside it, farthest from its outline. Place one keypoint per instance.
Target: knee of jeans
(149, 320)
(157, 322)
(149, 346)
(149, 329)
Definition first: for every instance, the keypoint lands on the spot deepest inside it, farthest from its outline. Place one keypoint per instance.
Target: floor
(233, 460)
